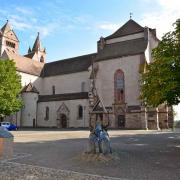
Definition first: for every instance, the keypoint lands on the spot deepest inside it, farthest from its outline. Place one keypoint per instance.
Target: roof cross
(130, 15)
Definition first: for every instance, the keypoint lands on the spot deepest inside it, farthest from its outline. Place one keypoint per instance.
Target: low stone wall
(133, 120)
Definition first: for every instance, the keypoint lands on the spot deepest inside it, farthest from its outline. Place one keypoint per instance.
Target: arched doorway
(121, 121)
(63, 116)
(63, 121)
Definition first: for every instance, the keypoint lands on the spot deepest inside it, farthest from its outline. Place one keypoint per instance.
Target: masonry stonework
(61, 93)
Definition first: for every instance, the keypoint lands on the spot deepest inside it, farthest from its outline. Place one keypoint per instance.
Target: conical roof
(29, 50)
(130, 27)
(37, 44)
(29, 88)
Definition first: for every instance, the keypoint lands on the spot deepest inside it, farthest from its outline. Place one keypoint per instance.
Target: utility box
(6, 144)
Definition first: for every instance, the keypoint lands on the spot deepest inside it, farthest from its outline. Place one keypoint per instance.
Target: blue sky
(71, 28)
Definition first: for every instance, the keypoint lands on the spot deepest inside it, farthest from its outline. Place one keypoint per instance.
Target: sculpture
(99, 141)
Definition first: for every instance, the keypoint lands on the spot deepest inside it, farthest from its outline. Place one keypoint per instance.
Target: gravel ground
(17, 171)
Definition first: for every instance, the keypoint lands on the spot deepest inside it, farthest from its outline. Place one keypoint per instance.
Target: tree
(161, 80)
(10, 87)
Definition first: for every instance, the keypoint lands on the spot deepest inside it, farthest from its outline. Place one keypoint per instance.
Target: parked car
(9, 126)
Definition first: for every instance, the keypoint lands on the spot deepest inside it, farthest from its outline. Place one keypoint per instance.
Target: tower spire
(29, 50)
(37, 52)
(37, 44)
(6, 27)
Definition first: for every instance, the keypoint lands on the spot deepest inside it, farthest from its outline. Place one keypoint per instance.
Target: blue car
(9, 126)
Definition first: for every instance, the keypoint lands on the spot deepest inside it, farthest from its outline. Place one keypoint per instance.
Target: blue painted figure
(99, 140)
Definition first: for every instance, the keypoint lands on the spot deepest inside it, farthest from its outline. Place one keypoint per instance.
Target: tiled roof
(30, 55)
(124, 48)
(29, 88)
(63, 97)
(24, 64)
(67, 66)
(130, 27)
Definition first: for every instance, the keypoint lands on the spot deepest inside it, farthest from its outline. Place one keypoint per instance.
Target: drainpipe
(84, 107)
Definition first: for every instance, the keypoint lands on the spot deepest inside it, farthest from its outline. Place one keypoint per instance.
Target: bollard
(6, 144)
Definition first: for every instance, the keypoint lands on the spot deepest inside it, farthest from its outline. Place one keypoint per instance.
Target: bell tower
(8, 39)
(37, 53)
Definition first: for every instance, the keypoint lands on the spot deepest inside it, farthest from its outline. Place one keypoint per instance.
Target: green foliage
(161, 81)
(177, 124)
(10, 87)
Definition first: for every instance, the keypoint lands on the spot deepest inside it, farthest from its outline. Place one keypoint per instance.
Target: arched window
(47, 114)
(119, 94)
(83, 86)
(53, 90)
(42, 59)
(80, 112)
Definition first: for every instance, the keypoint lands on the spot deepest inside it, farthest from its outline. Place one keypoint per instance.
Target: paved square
(49, 154)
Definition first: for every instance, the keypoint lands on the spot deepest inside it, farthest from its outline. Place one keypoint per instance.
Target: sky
(71, 28)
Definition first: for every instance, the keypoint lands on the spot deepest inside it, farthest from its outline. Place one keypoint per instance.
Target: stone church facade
(60, 93)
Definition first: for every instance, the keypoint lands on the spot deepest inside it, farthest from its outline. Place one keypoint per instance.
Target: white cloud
(108, 26)
(162, 19)
(19, 23)
(23, 10)
(170, 4)
(47, 29)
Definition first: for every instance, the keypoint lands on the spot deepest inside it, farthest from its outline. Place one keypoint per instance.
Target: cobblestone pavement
(17, 171)
(51, 155)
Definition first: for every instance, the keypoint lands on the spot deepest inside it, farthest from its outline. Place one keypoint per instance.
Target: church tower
(8, 39)
(37, 53)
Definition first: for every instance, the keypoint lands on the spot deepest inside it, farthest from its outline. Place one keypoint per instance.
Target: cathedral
(62, 93)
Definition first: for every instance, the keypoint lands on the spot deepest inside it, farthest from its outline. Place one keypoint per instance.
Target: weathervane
(130, 14)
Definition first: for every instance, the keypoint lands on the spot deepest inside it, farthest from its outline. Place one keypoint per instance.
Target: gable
(11, 35)
(130, 27)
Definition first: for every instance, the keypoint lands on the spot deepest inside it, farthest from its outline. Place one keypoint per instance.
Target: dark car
(9, 126)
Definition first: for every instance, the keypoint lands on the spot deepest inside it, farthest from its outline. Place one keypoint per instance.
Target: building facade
(61, 93)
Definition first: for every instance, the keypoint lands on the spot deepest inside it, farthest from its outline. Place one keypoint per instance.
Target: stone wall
(71, 111)
(29, 111)
(105, 79)
(133, 120)
(67, 83)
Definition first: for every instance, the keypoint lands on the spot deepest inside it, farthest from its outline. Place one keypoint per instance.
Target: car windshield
(5, 123)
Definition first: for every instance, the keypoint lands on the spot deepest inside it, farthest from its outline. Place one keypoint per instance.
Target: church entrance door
(121, 121)
(63, 121)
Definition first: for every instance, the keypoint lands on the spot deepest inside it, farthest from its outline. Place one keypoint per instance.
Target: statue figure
(99, 141)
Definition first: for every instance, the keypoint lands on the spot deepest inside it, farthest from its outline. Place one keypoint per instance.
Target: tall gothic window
(53, 90)
(119, 94)
(80, 112)
(47, 114)
(42, 59)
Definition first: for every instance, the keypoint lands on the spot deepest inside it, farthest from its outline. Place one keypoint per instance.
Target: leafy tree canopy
(10, 87)
(161, 81)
